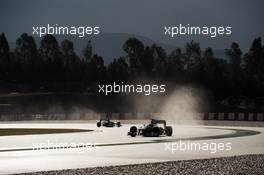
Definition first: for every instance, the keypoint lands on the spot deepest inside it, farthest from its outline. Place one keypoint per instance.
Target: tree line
(55, 63)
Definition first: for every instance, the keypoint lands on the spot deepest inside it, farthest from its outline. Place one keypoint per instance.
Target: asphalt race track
(112, 146)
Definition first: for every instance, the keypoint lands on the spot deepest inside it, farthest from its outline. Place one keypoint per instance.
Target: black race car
(105, 121)
(155, 128)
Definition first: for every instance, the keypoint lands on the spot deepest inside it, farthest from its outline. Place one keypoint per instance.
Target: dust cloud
(184, 105)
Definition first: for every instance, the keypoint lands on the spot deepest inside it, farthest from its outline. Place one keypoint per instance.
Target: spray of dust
(184, 106)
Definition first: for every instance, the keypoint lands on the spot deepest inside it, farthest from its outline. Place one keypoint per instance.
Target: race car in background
(105, 121)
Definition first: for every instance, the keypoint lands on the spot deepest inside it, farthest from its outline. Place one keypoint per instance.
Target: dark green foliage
(53, 63)
(118, 70)
(27, 59)
(254, 67)
(4, 58)
(135, 51)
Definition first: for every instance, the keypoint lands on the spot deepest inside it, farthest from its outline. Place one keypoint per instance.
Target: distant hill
(109, 45)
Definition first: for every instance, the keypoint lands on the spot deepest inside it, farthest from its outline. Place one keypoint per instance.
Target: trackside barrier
(259, 117)
(134, 116)
(234, 116)
(231, 116)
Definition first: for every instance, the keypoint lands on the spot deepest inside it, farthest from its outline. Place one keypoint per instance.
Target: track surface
(114, 147)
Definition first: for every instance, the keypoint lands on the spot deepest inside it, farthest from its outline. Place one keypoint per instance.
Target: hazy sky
(143, 17)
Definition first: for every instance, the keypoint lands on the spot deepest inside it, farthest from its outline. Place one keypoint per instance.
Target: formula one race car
(105, 121)
(155, 128)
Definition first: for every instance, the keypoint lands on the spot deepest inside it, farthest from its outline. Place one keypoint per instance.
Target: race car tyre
(98, 124)
(168, 131)
(133, 131)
